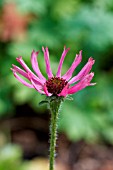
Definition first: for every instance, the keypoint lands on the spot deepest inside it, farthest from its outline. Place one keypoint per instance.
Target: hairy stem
(53, 131)
(54, 106)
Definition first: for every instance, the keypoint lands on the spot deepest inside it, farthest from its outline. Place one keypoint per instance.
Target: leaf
(43, 102)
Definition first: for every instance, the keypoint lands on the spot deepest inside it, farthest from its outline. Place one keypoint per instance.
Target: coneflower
(55, 87)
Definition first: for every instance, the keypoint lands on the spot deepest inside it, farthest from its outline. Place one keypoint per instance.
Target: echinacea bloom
(55, 85)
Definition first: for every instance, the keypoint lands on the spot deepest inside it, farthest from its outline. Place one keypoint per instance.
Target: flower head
(55, 85)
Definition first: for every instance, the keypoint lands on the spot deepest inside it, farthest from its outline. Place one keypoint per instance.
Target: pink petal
(37, 87)
(46, 57)
(46, 91)
(22, 81)
(20, 60)
(20, 71)
(64, 92)
(85, 70)
(26, 68)
(35, 65)
(36, 81)
(36, 84)
(82, 84)
(61, 61)
(76, 62)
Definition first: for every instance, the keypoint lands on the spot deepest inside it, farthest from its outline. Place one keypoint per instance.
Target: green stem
(53, 131)
(54, 106)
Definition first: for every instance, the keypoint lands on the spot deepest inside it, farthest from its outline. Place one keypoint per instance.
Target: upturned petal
(26, 68)
(22, 81)
(35, 65)
(85, 70)
(82, 84)
(61, 61)
(64, 92)
(46, 91)
(76, 62)
(36, 81)
(20, 71)
(37, 87)
(47, 61)
(22, 63)
(35, 84)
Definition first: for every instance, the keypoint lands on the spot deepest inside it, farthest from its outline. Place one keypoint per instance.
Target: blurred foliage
(78, 24)
(11, 157)
(90, 114)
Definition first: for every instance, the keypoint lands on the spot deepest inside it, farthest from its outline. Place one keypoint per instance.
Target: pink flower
(55, 85)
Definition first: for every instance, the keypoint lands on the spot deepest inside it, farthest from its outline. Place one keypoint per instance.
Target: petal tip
(93, 84)
(34, 52)
(92, 74)
(66, 49)
(80, 52)
(91, 60)
(19, 58)
(43, 49)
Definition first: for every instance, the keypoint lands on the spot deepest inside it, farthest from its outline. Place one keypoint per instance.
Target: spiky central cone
(55, 85)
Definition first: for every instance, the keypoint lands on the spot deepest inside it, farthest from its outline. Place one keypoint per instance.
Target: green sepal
(43, 102)
(69, 98)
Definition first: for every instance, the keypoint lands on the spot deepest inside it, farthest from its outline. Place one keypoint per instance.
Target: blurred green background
(78, 24)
